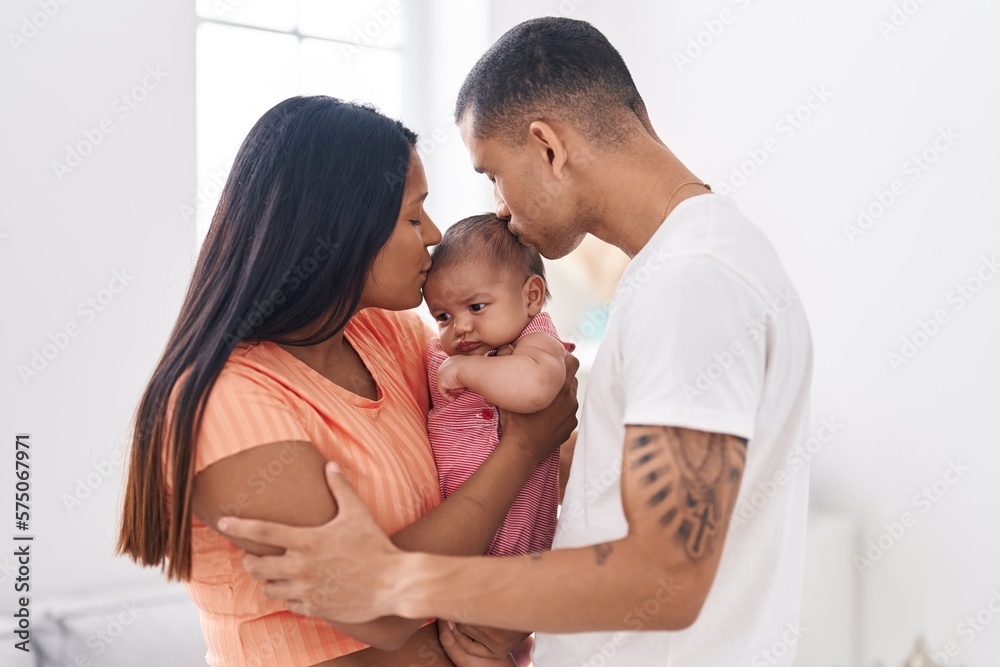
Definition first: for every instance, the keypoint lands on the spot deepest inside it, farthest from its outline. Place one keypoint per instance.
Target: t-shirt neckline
(341, 392)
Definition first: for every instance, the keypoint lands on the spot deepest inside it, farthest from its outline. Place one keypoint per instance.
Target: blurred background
(861, 136)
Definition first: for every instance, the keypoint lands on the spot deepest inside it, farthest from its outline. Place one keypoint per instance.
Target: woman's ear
(533, 292)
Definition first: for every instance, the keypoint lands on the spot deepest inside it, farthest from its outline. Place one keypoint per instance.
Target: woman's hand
(543, 431)
(465, 651)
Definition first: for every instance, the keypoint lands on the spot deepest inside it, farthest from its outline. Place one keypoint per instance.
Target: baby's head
(484, 286)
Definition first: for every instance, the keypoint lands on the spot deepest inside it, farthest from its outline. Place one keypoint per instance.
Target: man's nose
(501, 206)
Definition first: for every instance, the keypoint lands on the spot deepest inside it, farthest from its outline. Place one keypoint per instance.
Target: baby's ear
(534, 294)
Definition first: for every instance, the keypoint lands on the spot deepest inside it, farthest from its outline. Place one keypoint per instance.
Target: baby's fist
(447, 380)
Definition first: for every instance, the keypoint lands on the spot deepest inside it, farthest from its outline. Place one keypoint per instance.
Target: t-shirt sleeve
(245, 409)
(687, 361)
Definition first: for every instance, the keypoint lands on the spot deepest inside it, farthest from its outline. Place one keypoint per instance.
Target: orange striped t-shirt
(264, 395)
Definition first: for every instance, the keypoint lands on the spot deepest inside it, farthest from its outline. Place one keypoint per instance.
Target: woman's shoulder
(249, 368)
(249, 402)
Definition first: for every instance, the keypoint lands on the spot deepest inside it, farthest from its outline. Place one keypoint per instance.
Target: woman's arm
(525, 381)
(464, 524)
(240, 485)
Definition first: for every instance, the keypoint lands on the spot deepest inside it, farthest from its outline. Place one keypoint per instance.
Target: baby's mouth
(466, 346)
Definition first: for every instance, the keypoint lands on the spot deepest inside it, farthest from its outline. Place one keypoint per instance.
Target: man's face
(541, 210)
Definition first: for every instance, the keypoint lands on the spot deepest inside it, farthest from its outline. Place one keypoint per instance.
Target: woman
(289, 351)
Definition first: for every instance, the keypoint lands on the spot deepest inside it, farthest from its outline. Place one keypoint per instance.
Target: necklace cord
(666, 209)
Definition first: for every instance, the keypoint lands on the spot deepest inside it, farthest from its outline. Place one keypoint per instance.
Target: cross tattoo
(696, 547)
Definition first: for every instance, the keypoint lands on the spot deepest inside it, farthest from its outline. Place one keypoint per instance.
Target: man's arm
(679, 487)
(525, 381)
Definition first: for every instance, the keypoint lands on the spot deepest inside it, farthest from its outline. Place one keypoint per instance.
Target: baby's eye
(442, 317)
(476, 307)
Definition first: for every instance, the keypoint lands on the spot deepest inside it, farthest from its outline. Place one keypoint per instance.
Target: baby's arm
(525, 381)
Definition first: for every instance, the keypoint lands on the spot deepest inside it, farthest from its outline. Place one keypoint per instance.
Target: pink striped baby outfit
(465, 432)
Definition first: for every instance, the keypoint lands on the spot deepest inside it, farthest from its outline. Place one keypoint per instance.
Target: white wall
(453, 37)
(118, 211)
(888, 99)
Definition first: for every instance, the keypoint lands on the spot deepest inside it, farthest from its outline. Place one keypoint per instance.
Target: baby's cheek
(504, 330)
(446, 343)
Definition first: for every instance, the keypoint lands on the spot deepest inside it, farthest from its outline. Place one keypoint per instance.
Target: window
(251, 54)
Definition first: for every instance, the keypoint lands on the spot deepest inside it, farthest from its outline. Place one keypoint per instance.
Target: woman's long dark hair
(313, 195)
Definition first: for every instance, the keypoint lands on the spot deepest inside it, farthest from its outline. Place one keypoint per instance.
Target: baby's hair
(485, 238)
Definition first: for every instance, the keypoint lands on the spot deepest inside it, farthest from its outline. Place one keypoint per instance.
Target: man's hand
(339, 571)
(448, 385)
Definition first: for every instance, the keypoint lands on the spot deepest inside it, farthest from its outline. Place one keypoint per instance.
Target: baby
(486, 292)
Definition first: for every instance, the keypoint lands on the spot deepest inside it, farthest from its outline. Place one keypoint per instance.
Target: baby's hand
(448, 385)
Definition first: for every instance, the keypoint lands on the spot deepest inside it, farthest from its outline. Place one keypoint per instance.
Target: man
(696, 400)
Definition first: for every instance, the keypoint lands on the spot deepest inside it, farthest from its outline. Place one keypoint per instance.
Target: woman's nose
(501, 206)
(432, 235)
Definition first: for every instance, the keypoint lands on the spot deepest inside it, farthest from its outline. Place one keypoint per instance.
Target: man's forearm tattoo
(693, 485)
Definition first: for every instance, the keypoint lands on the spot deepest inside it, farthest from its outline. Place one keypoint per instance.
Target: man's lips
(519, 236)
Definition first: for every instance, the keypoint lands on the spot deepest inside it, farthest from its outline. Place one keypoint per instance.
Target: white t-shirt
(705, 332)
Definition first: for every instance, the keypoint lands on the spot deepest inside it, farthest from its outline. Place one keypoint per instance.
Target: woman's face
(401, 266)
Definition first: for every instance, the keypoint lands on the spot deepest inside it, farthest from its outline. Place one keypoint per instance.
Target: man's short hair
(550, 67)
(485, 239)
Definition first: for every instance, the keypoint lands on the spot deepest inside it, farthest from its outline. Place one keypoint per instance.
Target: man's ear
(551, 146)
(533, 292)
